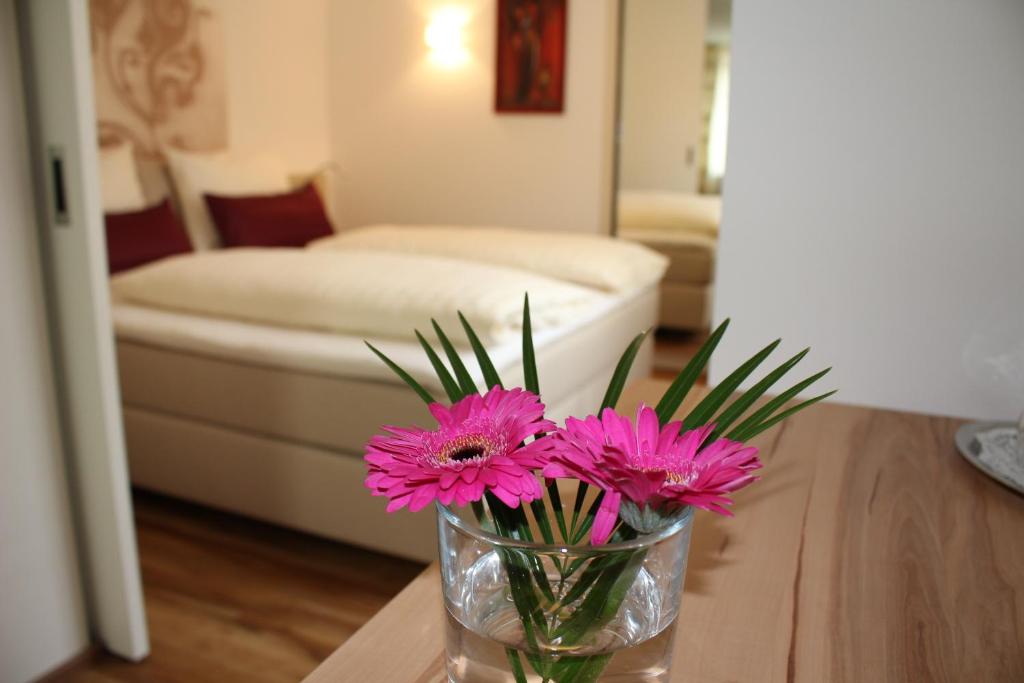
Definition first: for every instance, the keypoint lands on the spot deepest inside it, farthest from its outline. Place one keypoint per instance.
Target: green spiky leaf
(540, 514)
(447, 381)
(403, 375)
(744, 429)
(775, 419)
(727, 417)
(556, 504)
(461, 373)
(491, 378)
(517, 666)
(618, 380)
(611, 398)
(530, 378)
(721, 393)
(680, 387)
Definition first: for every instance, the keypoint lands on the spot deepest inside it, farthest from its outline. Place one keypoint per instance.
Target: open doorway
(224, 597)
(219, 103)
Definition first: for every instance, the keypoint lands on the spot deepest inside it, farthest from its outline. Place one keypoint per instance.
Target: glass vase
(522, 612)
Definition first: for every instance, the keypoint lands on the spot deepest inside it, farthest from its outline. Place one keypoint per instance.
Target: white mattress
(668, 213)
(322, 352)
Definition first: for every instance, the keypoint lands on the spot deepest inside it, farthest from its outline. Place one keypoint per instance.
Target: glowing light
(444, 36)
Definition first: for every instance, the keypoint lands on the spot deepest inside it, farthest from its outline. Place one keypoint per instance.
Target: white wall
(418, 143)
(277, 79)
(874, 207)
(662, 86)
(42, 617)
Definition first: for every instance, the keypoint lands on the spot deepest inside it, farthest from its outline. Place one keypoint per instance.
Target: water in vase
(485, 631)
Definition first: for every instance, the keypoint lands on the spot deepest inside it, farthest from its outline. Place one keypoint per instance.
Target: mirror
(673, 108)
(671, 142)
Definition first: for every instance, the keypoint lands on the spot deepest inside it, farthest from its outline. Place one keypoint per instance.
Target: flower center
(468, 453)
(683, 477)
(467, 447)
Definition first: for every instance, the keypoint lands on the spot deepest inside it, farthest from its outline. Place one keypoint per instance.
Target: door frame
(56, 61)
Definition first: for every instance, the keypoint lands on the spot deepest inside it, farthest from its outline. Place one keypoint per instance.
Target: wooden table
(870, 551)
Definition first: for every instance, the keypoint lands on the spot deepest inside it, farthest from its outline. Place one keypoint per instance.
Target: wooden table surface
(870, 551)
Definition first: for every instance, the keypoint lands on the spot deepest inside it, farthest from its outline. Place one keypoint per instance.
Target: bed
(684, 228)
(269, 420)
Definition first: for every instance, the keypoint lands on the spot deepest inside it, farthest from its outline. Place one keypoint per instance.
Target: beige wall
(350, 83)
(261, 86)
(42, 617)
(662, 87)
(418, 143)
(277, 78)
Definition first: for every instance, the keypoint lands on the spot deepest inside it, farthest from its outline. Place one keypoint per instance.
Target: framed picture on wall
(531, 56)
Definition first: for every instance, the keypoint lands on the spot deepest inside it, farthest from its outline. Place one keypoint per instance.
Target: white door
(56, 57)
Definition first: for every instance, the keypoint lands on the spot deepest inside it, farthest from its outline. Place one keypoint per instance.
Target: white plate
(999, 466)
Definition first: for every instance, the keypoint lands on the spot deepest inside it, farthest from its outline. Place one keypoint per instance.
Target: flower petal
(605, 517)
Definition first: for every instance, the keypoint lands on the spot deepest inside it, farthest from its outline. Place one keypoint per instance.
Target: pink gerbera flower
(477, 447)
(648, 473)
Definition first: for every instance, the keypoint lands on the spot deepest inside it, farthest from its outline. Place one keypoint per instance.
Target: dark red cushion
(278, 220)
(138, 237)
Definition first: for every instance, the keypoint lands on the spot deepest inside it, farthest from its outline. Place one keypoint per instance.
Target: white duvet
(590, 260)
(354, 291)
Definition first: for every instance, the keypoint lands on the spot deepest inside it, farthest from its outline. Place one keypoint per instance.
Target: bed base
(285, 445)
(303, 486)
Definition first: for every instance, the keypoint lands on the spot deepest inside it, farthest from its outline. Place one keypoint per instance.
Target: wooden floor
(230, 599)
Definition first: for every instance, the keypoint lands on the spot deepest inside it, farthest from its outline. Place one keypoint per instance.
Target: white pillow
(223, 173)
(590, 260)
(119, 181)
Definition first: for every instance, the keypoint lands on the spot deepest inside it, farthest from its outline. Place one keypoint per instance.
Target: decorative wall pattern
(159, 74)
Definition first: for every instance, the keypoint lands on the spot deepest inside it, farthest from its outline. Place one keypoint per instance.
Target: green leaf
(405, 376)
(574, 670)
(511, 523)
(450, 387)
(533, 385)
(517, 526)
(556, 504)
(461, 373)
(680, 387)
(587, 578)
(766, 411)
(480, 513)
(720, 394)
(577, 507)
(604, 599)
(540, 513)
(740, 405)
(575, 565)
(531, 380)
(525, 600)
(618, 380)
(517, 666)
(611, 397)
(588, 519)
(775, 419)
(490, 374)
